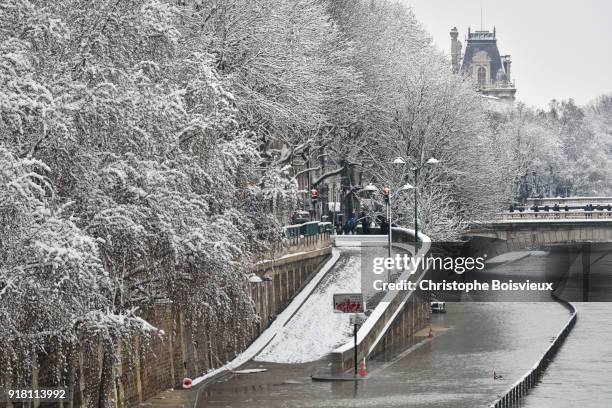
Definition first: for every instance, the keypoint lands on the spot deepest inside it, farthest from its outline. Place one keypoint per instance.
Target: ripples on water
(581, 373)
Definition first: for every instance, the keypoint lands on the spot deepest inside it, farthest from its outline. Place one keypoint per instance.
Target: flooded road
(454, 369)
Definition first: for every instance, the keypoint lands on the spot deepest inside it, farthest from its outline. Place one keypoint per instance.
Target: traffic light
(386, 192)
(314, 195)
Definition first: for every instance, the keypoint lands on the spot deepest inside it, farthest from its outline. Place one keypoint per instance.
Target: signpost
(351, 303)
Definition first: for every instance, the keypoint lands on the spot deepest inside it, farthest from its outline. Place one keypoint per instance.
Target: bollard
(516, 395)
(529, 380)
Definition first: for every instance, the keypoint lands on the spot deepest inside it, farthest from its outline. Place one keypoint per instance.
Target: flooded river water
(581, 374)
(455, 369)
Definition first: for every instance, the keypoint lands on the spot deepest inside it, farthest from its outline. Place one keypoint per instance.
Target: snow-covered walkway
(276, 326)
(315, 330)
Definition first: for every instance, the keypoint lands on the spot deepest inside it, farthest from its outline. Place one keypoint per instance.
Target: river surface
(581, 373)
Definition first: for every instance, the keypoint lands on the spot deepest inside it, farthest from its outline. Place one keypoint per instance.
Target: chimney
(455, 49)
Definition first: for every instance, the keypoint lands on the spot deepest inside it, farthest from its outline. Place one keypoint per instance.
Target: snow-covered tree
(54, 291)
(560, 150)
(124, 104)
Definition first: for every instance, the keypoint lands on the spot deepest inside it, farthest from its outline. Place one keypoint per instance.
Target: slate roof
(482, 41)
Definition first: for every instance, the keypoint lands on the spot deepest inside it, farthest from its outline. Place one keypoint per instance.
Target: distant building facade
(483, 63)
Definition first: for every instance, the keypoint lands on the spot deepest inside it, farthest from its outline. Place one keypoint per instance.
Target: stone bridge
(517, 233)
(547, 222)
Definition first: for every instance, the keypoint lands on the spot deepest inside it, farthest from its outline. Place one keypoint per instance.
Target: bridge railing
(556, 215)
(579, 201)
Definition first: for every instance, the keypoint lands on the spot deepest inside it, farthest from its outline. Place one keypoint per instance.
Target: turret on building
(483, 63)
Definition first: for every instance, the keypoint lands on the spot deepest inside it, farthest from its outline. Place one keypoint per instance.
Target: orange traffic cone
(430, 335)
(362, 368)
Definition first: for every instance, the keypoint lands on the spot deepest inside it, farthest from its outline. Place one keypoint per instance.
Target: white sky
(560, 48)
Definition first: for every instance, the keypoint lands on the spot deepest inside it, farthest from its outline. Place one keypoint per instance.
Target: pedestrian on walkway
(346, 228)
(365, 223)
(352, 223)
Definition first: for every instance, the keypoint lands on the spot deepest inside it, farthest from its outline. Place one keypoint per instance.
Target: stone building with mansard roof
(482, 62)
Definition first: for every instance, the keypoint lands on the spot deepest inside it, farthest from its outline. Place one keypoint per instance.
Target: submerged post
(355, 348)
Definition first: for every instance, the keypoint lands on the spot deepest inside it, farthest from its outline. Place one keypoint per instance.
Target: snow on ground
(276, 325)
(315, 330)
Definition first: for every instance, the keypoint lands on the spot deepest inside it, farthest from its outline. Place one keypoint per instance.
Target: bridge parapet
(562, 201)
(555, 215)
(542, 231)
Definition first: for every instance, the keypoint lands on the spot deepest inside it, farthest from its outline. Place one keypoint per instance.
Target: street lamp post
(416, 169)
(416, 218)
(386, 196)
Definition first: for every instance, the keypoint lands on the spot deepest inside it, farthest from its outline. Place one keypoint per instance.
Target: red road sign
(349, 303)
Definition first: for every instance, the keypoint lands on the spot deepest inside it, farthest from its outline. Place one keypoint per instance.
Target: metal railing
(581, 201)
(512, 396)
(302, 237)
(551, 214)
(298, 239)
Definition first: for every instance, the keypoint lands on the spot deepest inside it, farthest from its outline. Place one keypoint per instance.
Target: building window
(482, 76)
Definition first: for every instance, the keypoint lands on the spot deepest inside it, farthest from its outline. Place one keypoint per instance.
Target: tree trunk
(70, 376)
(106, 376)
